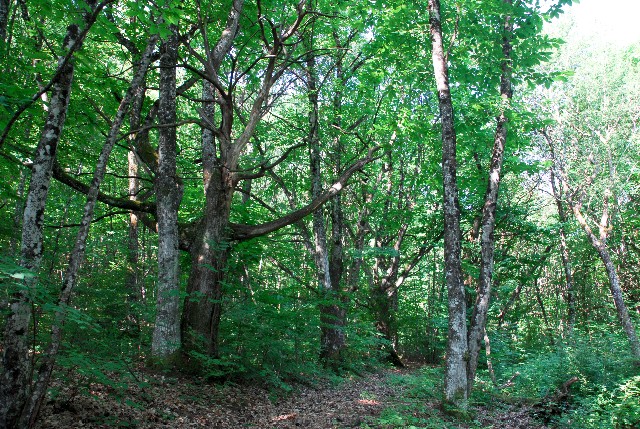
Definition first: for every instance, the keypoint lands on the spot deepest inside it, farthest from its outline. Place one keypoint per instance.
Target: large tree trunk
(209, 256)
(455, 389)
(210, 246)
(166, 334)
(16, 364)
(4, 19)
(487, 242)
(385, 301)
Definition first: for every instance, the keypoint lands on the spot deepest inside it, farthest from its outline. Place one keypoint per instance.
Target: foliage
(375, 87)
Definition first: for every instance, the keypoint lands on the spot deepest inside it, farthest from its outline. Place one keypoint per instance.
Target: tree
(587, 137)
(168, 189)
(16, 364)
(456, 367)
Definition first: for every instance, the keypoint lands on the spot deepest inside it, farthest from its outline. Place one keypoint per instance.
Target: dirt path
(179, 403)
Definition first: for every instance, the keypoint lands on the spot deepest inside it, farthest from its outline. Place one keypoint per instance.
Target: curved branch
(62, 176)
(264, 167)
(246, 232)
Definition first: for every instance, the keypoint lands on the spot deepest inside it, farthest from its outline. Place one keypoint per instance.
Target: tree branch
(246, 232)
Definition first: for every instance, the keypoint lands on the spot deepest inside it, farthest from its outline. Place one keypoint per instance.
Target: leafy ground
(387, 399)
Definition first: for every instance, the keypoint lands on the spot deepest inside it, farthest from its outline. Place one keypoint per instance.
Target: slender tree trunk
(336, 256)
(599, 244)
(564, 253)
(166, 333)
(31, 411)
(479, 316)
(455, 389)
(132, 280)
(487, 349)
(332, 339)
(332, 312)
(16, 364)
(618, 299)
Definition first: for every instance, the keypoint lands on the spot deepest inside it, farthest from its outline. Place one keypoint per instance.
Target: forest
(320, 214)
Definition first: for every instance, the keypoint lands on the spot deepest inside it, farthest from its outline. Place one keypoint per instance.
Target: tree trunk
(31, 411)
(4, 19)
(479, 316)
(16, 364)
(455, 389)
(599, 244)
(210, 247)
(564, 252)
(209, 257)
(18, 213)
(166, 333)
(385, 302)
(132, 280)
(328, 261)
(616, 293)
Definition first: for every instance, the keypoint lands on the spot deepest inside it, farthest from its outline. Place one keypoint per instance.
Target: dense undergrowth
(606, 395)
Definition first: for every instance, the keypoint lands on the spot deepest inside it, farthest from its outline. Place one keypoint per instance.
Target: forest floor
(387, 399)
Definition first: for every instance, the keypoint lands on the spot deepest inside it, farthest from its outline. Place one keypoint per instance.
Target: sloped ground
(380, 400)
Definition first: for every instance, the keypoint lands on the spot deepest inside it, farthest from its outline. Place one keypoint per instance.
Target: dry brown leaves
(180, 403)
(171, 402)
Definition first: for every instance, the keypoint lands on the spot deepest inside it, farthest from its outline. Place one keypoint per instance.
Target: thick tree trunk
(455, 389)
(487, 242)
(210, 247)
(209, 257)
(166, 333)
(4, 19)
(16, 364)
(386, 306)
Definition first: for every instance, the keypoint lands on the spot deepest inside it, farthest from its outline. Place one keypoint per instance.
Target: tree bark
(564, 249)
(166, 333)
(455, 389)
(16, 364)
(211, 247)
(599, 244)
(31, 411)
(4, 19)
(132, 280)
(479, 315)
